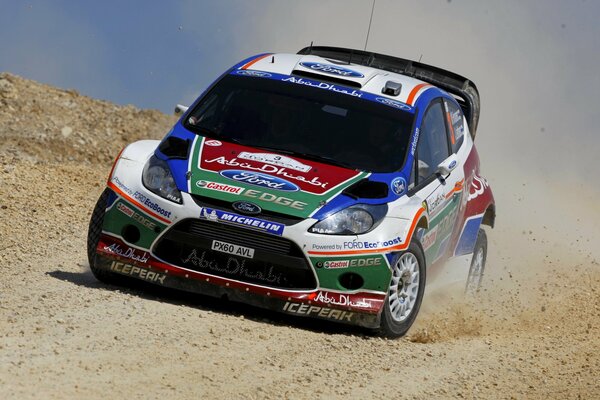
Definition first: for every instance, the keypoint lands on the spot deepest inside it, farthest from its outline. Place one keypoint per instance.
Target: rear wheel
(405, 292)
(477, 264)
(93, 237)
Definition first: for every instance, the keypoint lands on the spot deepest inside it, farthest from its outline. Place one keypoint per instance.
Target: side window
(432, 148)
(456, 125)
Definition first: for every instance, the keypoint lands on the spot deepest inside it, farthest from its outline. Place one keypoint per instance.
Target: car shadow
(207, 303)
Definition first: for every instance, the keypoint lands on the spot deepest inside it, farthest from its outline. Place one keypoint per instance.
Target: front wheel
(405, 292)
(93, 237)
(477, 264)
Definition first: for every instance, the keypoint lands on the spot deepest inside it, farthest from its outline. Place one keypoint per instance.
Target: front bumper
(357, 308)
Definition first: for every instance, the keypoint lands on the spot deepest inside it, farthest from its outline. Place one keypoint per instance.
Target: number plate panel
(233, 249)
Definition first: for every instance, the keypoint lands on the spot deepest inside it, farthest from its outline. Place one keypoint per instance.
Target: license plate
(232, 249)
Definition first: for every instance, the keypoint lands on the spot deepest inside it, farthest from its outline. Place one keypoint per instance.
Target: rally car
(327, 184)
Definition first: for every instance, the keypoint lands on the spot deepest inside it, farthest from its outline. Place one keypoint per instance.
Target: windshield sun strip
(349, 91)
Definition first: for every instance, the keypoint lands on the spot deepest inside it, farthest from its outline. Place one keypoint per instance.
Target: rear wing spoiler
(460, 87)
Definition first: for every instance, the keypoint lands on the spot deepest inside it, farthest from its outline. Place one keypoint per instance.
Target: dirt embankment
(534, 332)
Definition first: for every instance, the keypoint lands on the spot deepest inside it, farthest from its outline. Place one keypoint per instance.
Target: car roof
(367, 79)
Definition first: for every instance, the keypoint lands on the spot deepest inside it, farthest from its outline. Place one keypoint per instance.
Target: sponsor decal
(429, 238)
(318, 179)
(219, 187)
(261, 180)
(129, 252)
(209, 214)
(355, 262)
(323, 312)
(137, 272)
(413, 147)
(241, 220)
(456, 117)
(267, 169)
(275, 159)
(245, 207)
(323, 85)
(477, 188)
(457, 123)
(283, 201)
(335, 264)
(434, 202)
(213, 143)
(317, 246)
(448, 221)
(234, 249)
(366, 262)
(233, 267)
(144, 202)
(332, 69)
(398, 185)
(151, 205)
(135, 216)
(122, 186)
(393, 103)
(125, 210)
(371, 245)
(341, 300)
(258, 74)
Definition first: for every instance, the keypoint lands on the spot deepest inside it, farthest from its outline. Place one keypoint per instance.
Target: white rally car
(326, 184)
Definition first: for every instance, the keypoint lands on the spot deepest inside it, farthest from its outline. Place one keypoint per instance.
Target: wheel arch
(423, 223)
(489, 217)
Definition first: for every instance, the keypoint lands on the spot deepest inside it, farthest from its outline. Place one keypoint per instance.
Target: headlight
(354, 220)
(158, 179)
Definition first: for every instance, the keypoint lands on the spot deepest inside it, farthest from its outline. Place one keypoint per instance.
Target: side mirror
(179, 109)
(448, 165)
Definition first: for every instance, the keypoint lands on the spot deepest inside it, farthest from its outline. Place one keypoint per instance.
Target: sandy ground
(533, 333)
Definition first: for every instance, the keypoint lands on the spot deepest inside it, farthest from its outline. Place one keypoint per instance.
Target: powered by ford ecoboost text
(325, 184)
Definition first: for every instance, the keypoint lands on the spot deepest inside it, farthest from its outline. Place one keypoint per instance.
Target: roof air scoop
(392, 88)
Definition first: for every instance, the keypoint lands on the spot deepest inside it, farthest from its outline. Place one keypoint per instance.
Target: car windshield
(308, 122)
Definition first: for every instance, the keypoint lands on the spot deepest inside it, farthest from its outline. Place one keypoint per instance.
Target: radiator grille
(277, 262)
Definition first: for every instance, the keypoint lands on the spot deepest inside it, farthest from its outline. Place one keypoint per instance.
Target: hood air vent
(366, 189)
(174, 147)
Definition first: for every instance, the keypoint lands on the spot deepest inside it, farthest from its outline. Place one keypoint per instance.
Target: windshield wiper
(206, 131)
(308, 156)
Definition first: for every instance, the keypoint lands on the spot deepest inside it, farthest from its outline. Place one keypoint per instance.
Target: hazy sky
(536, 63)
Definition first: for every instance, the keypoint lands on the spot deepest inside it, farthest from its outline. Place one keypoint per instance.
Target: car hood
(275, 182)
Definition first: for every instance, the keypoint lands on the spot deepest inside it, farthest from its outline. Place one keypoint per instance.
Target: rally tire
(93, 237)
(394, 321)
(477, 269)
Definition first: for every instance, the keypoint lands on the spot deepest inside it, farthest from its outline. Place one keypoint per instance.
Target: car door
(437, 179)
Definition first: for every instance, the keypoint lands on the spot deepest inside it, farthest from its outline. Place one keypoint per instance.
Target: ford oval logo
(332, 69)
(258, 74)
(393, 103)
(398, 186)
(245, 207)
(262, 180)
